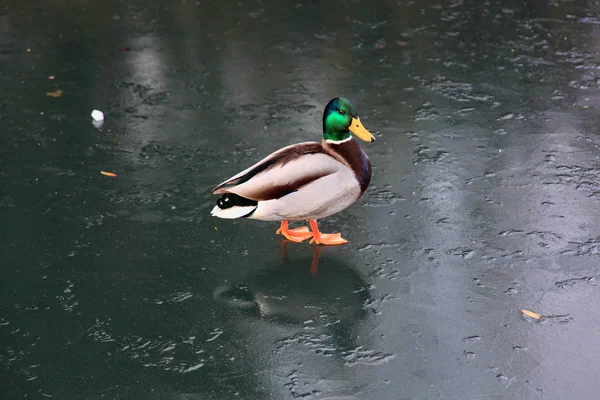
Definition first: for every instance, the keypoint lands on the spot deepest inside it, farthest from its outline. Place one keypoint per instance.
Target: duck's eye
(341, 112)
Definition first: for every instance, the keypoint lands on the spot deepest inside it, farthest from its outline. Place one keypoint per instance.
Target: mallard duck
(304, 181)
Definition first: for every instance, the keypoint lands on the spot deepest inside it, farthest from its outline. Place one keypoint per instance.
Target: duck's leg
(295, 235)
(325, 238)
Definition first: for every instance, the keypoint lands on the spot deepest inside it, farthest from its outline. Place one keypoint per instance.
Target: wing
(281, 173)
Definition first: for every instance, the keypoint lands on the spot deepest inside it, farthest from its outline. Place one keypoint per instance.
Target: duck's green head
(340, 118)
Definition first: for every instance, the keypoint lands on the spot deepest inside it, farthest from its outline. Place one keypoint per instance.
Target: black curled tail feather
(229, 200)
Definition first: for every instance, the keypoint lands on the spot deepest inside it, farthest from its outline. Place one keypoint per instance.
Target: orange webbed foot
(297, 235)
(325, 238)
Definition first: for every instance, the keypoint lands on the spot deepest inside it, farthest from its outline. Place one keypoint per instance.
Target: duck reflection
(315, 292)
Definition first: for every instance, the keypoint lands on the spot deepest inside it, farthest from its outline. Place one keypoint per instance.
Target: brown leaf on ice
(108, 174)
(532, 314)
(56, 93)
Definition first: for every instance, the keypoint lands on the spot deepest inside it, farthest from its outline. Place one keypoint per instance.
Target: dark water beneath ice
(484, 201)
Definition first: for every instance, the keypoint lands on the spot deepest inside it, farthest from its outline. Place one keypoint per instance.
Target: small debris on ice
(98, 115)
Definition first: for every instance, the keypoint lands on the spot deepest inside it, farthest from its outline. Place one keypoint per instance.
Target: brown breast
(350, 154)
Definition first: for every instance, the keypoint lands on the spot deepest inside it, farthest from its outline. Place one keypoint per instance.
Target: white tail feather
(232, 212)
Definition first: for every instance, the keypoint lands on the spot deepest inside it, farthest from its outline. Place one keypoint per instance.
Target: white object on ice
(98, 115)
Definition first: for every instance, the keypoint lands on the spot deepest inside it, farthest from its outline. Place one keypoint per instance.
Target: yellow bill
(359, 130)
